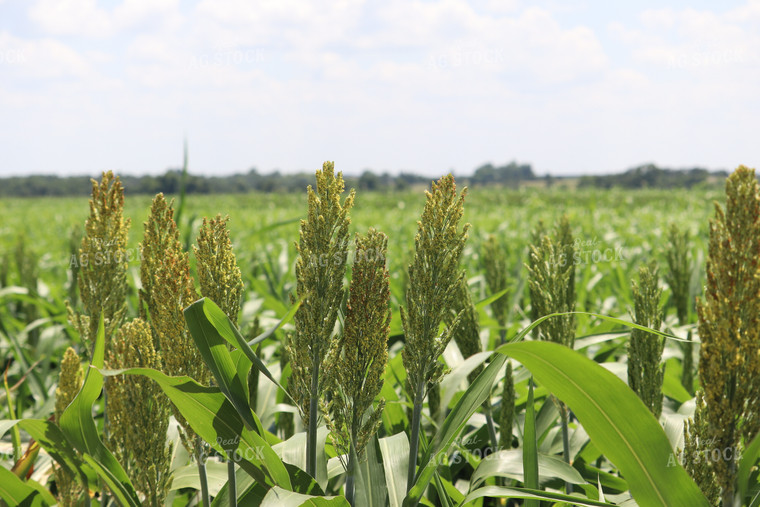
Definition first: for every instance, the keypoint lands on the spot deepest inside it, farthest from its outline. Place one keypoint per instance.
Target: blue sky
(399, 85)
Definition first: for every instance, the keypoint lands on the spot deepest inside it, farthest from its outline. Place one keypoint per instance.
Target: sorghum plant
(434, 276)
(355, 365)
(27, 267)
(167, 288)
(103, 261)
(139, 413)
(507, 412)
(495, 262)
(551, 280)
(729, 328)
(69, 384)
(320, 268)
(645, 372)
(677, 279)
(551, 271)
(218, 272)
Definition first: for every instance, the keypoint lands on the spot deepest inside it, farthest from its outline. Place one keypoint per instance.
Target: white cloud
(71, 17)
(395, 84)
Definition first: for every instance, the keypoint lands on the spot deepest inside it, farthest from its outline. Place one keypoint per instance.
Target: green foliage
(242, 411)
(617, 421)
(645, 373)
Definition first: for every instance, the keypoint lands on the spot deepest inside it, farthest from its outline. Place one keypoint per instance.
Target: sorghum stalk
(495, 262)
(551, 282)
(434, 276)
(356, 362)
(678, 280)
(729, 328)
(320, 268)
(220, 280)
(645, 373)
(139, 413)
(103, 269)
(69, 384)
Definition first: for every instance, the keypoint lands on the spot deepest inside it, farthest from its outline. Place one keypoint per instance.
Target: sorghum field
(374, 349)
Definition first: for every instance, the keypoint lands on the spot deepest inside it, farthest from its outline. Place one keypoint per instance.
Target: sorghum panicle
(507, 412)
(729, 326)
(167, 288)
(69, 384)
(320, 269)
(495, 262)
(467, 334)
(355, 366)
(103, 261)
(139, 413)
(645, 372)
(551, 282)
(433, 284)
(677, 278)
(218, 273)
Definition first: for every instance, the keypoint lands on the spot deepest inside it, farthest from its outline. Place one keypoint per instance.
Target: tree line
(510, 175)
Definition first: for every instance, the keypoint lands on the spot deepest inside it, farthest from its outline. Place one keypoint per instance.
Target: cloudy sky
(425, 86)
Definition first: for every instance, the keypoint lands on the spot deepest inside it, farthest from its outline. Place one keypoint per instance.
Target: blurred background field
(264, 228)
